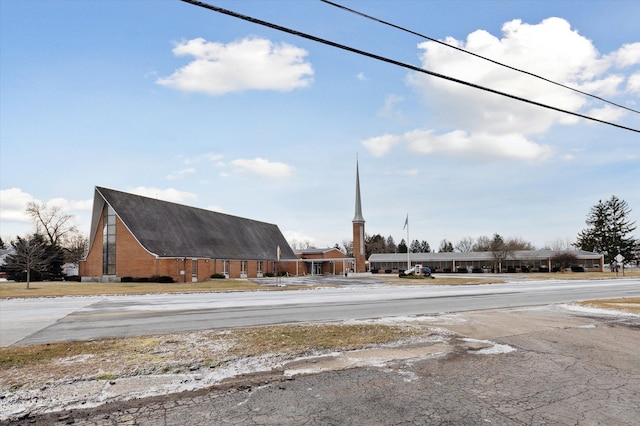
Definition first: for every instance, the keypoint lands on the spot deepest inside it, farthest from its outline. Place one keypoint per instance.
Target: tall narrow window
(194, 270)
(108, 241)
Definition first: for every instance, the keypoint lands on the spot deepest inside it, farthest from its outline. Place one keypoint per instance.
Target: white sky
(173, 101)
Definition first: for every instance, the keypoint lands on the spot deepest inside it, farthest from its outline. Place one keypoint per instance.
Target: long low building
(516, 261)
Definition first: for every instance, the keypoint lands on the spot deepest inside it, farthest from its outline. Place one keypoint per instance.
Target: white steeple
(357, 218)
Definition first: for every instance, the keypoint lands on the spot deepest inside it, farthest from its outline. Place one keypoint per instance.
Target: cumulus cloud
(179, 174)
(478, 146)
(247, 64)
(389, 108)
(207, 156)
(551, 49)
(626, 56)
(71, 205)
(262, 167)
(606, 113)
(14, 204)
(380, 145)
(169, 194)
(633, 83)
(485, 125)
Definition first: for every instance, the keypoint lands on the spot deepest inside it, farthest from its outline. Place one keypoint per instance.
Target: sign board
(619, 258)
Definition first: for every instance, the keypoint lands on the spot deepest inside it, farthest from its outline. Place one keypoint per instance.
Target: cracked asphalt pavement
(561, 368)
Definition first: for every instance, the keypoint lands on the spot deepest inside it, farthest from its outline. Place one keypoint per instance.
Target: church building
(134, 237)
(140, 237)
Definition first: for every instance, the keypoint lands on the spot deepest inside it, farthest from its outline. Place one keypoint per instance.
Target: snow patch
(492, 349)
(598, 311)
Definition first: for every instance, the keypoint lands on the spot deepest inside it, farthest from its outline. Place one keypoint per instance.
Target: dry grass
(68, 288)
(625, 304)
(107, 359)
(63, 288)
(394, 280)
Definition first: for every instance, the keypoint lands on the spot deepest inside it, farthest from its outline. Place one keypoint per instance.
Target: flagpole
(406, 225)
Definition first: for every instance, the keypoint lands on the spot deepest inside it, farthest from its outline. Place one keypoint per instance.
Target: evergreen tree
(415, 246)
(402, 247)
(499, 251)
(425, 247)
(609, 230)
(391, 245)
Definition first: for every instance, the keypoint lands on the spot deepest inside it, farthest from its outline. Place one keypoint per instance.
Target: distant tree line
(609, 232)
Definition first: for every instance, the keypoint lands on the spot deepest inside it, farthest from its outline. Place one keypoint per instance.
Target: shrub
(126, 279)
(269, 274)
(218, 276)
(577, 269)
(476, 270)
(165, 279)
(72, 278)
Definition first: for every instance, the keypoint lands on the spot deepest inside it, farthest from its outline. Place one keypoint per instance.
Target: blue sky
(169, 100)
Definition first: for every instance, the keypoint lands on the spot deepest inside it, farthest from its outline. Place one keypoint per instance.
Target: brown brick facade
(359, 251)
(132, 260)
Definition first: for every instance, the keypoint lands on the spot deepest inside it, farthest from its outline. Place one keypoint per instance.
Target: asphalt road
(29, 321)
(556, 367)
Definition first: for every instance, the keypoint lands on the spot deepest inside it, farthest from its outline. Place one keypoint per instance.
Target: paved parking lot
(542, 366)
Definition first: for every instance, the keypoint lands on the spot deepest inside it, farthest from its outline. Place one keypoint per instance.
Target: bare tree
(483, 243)
(76, 248)
(30, 254)
(560, 245)
(564, 260)
(518, 243)
(465, 245)
(348, 247)
(51, 222)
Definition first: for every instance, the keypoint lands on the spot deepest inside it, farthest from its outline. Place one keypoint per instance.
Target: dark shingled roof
(174, 230)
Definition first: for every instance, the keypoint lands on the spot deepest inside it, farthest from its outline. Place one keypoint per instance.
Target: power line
(476, 55)
(394, 62)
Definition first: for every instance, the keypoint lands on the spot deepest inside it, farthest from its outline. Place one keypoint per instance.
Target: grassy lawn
(34, 366)
(70, 288)
(627, 304)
